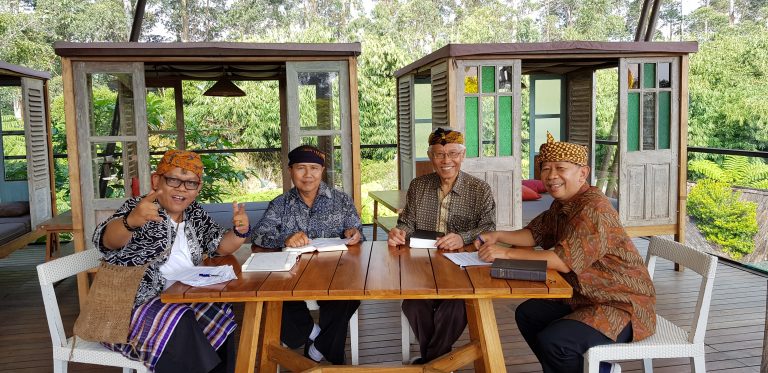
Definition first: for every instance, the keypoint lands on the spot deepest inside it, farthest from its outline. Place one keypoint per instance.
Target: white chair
(84, 351)
(669, 341)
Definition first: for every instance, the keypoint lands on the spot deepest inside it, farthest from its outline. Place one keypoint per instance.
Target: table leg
(375, 217)
(249, 337)
(483, 329)
(272, 320)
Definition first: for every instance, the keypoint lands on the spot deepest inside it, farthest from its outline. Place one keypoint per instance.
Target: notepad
(270, 262)
(320, 245)
(421, 239)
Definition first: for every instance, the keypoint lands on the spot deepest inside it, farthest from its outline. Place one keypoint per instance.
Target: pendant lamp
(224, 88)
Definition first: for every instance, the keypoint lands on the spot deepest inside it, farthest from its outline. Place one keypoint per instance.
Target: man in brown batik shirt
(614, 298)
(457, 204)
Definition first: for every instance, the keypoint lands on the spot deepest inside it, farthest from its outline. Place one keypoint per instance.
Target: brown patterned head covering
(552, 151)
(183, 159)
(306, 154)
(442, 137)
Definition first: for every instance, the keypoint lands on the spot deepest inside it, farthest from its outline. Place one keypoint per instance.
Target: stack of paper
(321, 244)
(203, 276)
(269, 262)
(421, 239)
(466, 259)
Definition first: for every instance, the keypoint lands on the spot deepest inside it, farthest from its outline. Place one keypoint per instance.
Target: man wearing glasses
(311, 209)
(459, 206)
(170, 231)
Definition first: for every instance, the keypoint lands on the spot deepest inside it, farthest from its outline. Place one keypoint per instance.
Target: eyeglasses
(451, 155)
(174, 182)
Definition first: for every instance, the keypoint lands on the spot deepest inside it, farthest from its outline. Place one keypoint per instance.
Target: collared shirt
(331, 214)
(611, 284)
(471, 210)
(442, 215)
(154, 238)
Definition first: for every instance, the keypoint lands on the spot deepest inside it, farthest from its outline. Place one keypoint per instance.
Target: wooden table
(370, 270)
(52, 227)
(391, 199)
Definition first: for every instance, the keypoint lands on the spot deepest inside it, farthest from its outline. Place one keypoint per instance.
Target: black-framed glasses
(174, 182)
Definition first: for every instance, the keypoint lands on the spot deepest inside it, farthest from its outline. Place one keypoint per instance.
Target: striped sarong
(153, 322)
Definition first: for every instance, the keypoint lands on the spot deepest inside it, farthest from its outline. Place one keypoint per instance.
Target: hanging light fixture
(224, 88)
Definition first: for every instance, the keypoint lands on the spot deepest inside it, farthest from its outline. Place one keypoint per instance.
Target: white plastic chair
(84, 351)
(669, 341)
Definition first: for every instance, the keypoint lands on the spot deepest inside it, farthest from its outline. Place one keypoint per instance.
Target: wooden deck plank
(733, 339)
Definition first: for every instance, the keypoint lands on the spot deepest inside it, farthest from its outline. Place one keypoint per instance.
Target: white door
(36, 133)
(318, 114)
(648, 141)
(112, 137)
(488, 107)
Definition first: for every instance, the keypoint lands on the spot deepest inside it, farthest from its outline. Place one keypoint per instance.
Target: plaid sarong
(153, 322)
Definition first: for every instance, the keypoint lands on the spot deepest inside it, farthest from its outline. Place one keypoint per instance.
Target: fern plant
(735, 170)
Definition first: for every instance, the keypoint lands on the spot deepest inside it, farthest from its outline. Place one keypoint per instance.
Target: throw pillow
(530, 194)
(11, 209)
(536, 185)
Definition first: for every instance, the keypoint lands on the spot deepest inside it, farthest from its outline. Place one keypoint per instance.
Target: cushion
(530, 194)
(536, 185)
(11, 209)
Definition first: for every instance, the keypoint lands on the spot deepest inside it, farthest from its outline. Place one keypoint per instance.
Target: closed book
(421, 239)
(519, 269)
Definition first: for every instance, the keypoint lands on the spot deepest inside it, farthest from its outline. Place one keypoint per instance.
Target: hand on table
(353, 234)
(450, 242)
(297, 239)
(396, 237)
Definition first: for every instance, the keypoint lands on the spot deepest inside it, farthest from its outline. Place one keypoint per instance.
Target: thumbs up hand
(239, 218)
(146, 210)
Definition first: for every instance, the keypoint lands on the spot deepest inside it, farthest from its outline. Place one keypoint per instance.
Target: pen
(480, 238)
(207, 275)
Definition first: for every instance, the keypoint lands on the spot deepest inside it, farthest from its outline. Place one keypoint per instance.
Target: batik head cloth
(183, 159)
(442, 137)
(306, 154)
(553, 151)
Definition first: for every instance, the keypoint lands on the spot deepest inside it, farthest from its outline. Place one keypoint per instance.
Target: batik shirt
(471, 208)
(331, 214)
(154, 238)
(611, 284)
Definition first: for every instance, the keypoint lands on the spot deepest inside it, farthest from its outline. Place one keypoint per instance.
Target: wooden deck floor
(734, 338)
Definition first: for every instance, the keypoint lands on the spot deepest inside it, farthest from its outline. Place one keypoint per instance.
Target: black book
(519, 269)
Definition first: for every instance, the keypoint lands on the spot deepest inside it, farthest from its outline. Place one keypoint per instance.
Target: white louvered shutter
(405, 129)
(36, 132)
(439, 75)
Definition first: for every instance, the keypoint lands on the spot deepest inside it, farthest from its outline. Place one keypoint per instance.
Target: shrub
(723, 218)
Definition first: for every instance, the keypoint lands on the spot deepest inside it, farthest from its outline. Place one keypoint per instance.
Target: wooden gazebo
(476, 88)
(328, 71)
(38, 185)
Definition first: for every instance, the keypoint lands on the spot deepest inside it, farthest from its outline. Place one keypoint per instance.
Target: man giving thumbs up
(170, 231)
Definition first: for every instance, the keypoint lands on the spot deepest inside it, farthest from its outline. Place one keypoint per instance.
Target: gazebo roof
(552, 50)
(16, 71)
(206, 49)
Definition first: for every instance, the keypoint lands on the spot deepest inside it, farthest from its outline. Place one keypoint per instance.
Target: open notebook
(320, 245)
(269, 262)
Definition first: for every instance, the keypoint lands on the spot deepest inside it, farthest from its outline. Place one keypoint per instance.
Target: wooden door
(488, 107)
(648, 141)
(36, 133)
(112, 137)
(318, 114)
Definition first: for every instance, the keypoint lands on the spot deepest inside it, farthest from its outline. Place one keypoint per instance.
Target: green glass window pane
(471, 125)
(489, 79)
(470, 79)
(649, 121)
(489, 125)
(633, 122)
(633, 77)
(649, 75)
(505, 126)
(665, 78)
(665, 99)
